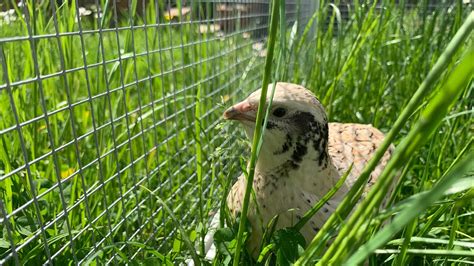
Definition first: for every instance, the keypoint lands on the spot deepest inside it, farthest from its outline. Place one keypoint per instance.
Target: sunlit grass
(161, 137)
(367, 70)
(122, 115)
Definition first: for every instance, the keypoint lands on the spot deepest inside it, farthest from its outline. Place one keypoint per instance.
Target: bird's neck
(313, 162)
(308, 176)
(290, 168)
(299, 158)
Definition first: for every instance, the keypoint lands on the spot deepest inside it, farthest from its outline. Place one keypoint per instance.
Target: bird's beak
(242, 111)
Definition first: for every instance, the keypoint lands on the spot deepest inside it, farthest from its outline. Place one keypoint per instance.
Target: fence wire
(98, 108)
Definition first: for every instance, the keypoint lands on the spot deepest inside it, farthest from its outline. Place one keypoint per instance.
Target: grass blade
(176, 221)
(258, 127)
(410, 212)
(428, 122)
(350, 200)
(323, 200)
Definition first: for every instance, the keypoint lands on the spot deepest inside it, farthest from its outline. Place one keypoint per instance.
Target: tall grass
(136, 155)
(129, 111)
(367, 70)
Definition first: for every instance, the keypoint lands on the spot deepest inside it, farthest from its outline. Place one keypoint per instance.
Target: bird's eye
(279, 112)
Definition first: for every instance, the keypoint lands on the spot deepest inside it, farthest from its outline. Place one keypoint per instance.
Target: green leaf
(225, 241)
(192, 235)
(461, 185)
(176, 245)
(223, 235)
(4, 243)
(289, 242)
(24, 231)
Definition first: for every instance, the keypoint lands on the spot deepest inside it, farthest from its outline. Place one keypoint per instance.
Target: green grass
(365, 70)
(369, 73)
(144, 132)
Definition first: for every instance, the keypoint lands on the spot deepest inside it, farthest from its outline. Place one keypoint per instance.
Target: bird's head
(296, 132)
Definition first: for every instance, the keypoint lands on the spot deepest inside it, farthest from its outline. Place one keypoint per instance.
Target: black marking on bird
(286, 145)
(310, 130)
(304, 121)
(284, 169)
(271, 125)
(299, 152)
(274, 185)
(323, 154)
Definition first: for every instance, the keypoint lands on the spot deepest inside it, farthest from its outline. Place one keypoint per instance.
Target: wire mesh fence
(107, 106)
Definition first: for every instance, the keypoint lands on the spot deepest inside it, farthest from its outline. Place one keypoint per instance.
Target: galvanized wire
(77, 192)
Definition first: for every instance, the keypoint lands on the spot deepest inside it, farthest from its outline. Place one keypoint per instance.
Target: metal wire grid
(70, 200)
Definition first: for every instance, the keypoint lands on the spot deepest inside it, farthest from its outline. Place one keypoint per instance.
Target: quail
(302, 157)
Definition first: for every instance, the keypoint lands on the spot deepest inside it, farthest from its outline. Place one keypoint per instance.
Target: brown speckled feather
(356, 143)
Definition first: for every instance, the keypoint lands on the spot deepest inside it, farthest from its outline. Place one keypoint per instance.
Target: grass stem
(258, 128)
